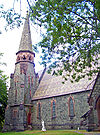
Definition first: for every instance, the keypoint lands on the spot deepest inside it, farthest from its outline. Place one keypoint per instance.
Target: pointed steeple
(26, 42)
(25, 52)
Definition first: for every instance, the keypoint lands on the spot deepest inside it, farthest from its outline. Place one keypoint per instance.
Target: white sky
(10, 40)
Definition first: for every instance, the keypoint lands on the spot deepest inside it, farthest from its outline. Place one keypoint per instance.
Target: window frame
(53, 113)
(39, 110)
(69, 113)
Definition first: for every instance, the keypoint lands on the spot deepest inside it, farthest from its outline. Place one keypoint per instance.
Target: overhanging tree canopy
(72, 35)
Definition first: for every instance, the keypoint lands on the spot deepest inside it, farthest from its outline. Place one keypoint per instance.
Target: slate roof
(98, 75)
(51, 86)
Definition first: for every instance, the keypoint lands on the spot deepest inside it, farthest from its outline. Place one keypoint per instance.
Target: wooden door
(29, 117)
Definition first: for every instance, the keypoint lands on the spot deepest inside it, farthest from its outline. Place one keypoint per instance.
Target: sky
(10, 40)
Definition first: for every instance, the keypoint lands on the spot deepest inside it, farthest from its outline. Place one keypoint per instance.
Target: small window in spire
(18, 58)
(30, 58)
(24, 58)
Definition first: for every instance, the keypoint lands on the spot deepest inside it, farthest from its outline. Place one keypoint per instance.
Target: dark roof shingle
(52, 85)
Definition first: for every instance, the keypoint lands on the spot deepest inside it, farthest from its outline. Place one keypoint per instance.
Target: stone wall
(22, 87)
(62, 119)
(93, 123)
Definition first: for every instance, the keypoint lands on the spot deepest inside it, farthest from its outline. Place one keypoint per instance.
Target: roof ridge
(42, 75)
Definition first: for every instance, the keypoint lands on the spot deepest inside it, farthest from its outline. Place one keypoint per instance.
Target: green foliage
(71, 40)
(13, 19)
(72, 35)
(3, 96)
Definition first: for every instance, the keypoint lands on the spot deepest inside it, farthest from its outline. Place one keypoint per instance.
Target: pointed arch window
(15, 113)
(53, 109)
(32, 80)
(24, 57)
(39, 110)
(29, 80)
(15, 95)
(71, 107)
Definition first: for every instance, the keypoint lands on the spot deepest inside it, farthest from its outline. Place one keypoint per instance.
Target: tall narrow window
(32, 80)
(39, 111)
(15, 113)
(53, 104)
(15, 95)
(29, 80)
(71, 108)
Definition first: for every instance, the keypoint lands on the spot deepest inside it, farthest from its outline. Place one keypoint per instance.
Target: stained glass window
(39, 111)
(71, 107)
(15, 113)
(53, 109)
(15, 95)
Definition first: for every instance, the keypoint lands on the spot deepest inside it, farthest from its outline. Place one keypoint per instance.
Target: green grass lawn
(38, 132)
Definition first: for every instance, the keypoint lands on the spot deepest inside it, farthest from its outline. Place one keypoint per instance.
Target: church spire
(25, 53)
(26, 42)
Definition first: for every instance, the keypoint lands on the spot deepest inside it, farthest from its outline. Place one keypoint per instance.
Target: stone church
(34, 97)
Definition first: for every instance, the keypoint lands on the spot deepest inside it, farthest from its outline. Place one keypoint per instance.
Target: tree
(72, 35)
(3, 96)
(12, 18)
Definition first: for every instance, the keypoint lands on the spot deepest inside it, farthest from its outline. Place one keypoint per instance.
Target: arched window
(71, 107)
(15, 95)
(18, 58)
(53, 107)
(32, 80)
(24, 57)
(30, 58)
(15, 113)
(39, 111)
(29, 80)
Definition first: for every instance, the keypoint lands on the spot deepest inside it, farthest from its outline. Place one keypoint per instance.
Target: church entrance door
(98, 111)
(29, 117)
